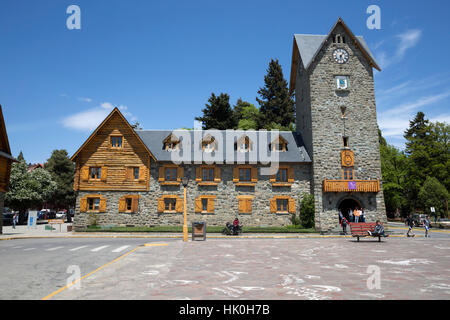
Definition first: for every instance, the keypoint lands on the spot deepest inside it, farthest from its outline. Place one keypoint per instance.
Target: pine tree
(62, 170)
(277, 105)
(246, 115)
(218, 113)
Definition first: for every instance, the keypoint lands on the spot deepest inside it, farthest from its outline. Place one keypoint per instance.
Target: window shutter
(290, 173)
(291, 205)
(83, 204)
(210, 206)
(216, 174)
(198, 204)
(273, 205)
(180, 173)
(104, 174)
(249, 205)
(102, 206)
(236, 174)
(122, 204)
(273, 178)
(142, 171)
(254, 174)
(161, 205)
(179, 205)
(84, 173)
(135, 204)
(198, 174)
(161, 174)
(242, 206)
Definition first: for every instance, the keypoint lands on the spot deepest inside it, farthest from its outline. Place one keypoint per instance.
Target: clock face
(340, 55)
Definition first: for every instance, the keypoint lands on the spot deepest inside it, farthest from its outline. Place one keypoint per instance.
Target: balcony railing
(351, 185)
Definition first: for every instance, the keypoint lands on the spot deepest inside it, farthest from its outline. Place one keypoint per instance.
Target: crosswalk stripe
(120, 249)
(78, 248)
(53, 249)
(99, 248)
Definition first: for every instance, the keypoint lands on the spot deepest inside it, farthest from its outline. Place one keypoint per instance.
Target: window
(171, 174)
(209, 144)
(245, 174)
(205, 204)
(243, 144)
(345, 141)
(136, 173)
(347, 173)
(129, 203)
(279, 144)
(282, 175)
(282, 204)
(169, 204)
(245, 204)
(337, 38)
(95, 173)
(171, 143)
(343, 111)
(93, 204)
(116, 142)
(208, 174)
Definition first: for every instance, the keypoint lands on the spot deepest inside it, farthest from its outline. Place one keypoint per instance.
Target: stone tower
(332, 76)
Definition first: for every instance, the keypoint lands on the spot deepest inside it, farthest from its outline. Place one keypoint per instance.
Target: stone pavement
(329, 268)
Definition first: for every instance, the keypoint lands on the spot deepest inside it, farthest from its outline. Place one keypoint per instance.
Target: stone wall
(226, 203)
(328, 127)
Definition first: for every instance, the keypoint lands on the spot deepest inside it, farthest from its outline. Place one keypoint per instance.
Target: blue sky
(159, 61)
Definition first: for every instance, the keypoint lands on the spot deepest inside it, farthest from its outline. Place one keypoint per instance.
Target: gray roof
(7, 156)
(310, 44)
(296, 150)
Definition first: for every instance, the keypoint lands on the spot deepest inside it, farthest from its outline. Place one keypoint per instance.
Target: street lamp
(185, 181)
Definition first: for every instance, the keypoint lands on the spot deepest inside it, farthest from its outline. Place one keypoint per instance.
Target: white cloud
(85, 99)
(421, 102)
(90, 119)
(408, 40)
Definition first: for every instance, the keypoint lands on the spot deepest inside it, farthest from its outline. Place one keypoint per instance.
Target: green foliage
(307, 211)
(247, 115)
(62, 170)
(218, 113)
(277, 105)
(28, 190)
(434, 194)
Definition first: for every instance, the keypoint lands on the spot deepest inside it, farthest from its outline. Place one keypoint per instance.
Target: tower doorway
(346, 205)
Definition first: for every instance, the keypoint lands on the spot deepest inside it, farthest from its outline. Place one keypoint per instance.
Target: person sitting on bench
(378, 231)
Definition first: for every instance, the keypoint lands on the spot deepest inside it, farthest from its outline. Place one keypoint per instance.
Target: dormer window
(171, 143)
(244, 144)
(279, 144)
(209, 144)
(116, 142)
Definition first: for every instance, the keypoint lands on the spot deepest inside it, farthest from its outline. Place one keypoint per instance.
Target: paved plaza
(310, 268)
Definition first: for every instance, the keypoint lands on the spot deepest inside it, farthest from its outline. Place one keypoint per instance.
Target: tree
(218, 113)
(28, 190)
(307, 211)
(62, 170)
(246, 115)
(276, 104)
(440, 159)
(434, 194)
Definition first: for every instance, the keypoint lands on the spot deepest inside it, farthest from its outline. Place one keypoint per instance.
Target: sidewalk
(23, 232)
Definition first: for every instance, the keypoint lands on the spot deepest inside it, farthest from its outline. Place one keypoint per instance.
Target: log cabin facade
(131, 177)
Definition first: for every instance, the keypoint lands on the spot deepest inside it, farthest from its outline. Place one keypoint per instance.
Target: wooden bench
(360, 229)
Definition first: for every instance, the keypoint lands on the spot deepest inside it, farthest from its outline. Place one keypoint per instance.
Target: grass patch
(209, 229)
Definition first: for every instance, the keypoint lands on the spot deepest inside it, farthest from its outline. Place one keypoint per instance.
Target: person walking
(426, 224)
(350, 215)
(410, 223)
(15, 219)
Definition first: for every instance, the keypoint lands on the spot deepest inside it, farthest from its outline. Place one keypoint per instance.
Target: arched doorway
(346, 205)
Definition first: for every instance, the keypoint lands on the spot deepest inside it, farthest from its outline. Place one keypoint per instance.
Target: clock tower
(332, 76)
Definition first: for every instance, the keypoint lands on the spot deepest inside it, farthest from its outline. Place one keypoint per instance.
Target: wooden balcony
(351, 185)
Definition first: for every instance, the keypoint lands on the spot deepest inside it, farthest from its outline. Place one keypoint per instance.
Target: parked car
(418, 219)
(7, 217)
(61, 215)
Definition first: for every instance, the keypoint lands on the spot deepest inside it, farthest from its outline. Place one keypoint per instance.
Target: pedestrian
(350, 215)
(344, 225)
(15, 219)
(356, 214)
(410, 223)
(340, 216)
(362, 218)
(426, 224)
(378, 231)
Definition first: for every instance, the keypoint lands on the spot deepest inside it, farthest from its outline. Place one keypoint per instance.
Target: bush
(307, 211)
